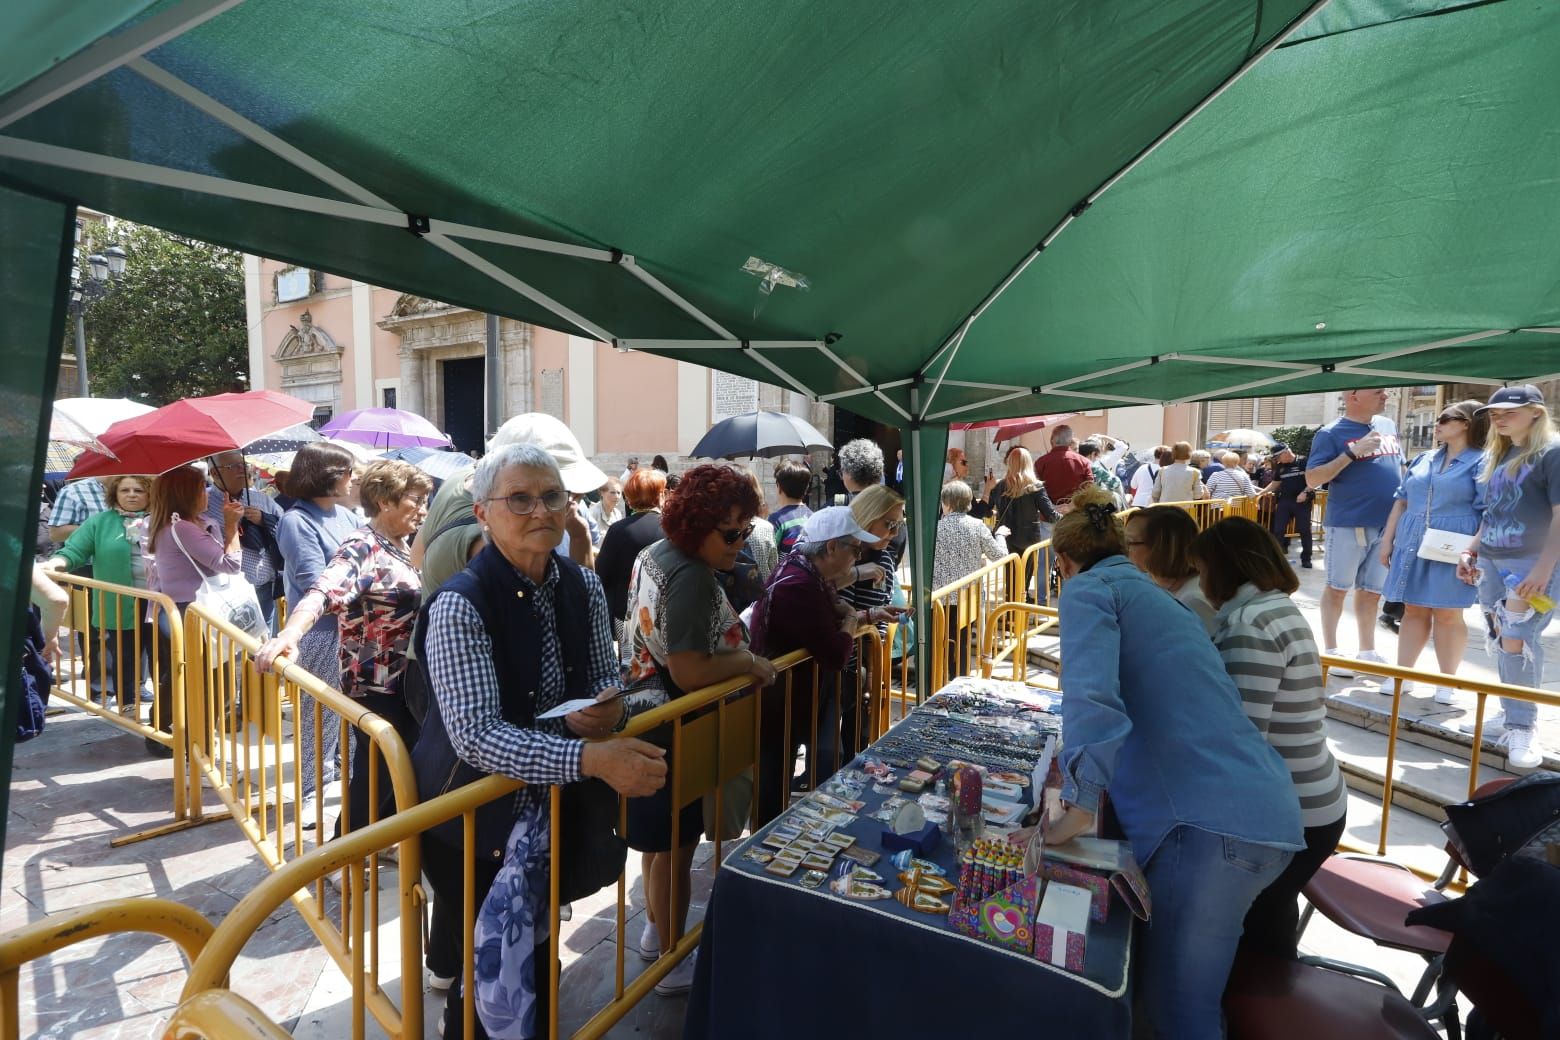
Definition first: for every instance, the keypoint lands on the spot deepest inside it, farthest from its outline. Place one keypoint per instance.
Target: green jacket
(100, 541)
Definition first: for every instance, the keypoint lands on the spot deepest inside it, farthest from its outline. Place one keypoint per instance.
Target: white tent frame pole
(106, 54)
(1455, 341)
(1209, 359)
(795, 384)
(509, 281)
(840, 395)
(1417, 377)
(1093, 395)
(1137, 160)
(721, 344)
(958, 342)
(1101, 374)
(631, 265)
(1255, 384)
(260, 135)
(200, 183)
(849, 370)
(985, 386)
(1234, 78)
(979, 404)
(1552, 330)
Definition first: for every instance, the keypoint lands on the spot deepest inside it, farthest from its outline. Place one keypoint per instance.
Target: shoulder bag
(227, 597)
(1437, 545)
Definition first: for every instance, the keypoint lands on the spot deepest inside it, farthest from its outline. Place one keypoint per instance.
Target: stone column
(411, 395)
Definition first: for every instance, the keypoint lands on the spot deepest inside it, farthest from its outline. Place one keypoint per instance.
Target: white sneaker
(1370, 657)
(440, 983)
(306, 815)
(1445, 695)
(1520, 751)
(649, 942)
(680, 979)
(1493, 725)
(1338, 670)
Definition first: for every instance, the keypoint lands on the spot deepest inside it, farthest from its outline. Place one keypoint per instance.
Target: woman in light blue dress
(1440, 490)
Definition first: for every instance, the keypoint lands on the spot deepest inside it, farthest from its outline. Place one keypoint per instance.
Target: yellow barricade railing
(172, 921)
(102, 670)
(240, 744)
(715, 735)
(219, 1014)
(959, 617)
(1024, 619)
(1481, 689)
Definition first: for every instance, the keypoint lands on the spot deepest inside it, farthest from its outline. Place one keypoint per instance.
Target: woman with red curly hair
(682, 634)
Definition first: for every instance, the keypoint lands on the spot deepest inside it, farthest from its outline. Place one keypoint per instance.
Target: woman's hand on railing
(280, 647)
(762, 669)
(633, 768)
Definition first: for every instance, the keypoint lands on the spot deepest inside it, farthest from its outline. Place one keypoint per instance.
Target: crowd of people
(463, 615)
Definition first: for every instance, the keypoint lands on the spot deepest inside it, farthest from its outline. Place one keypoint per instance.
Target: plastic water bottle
(1541, 603)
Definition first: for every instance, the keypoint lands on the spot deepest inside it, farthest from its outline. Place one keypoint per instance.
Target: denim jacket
(1149, 713)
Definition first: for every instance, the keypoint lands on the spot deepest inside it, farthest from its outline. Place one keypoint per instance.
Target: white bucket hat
(580, 475)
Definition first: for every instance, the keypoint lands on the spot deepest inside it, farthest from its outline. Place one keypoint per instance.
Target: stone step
(1423, 779)
(1421, 721)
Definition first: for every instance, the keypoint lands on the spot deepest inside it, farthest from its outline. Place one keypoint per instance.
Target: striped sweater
(1269, 651)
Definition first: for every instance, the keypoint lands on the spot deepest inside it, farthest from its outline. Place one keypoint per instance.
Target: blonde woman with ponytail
(1152, 716)
(1023, 511)
(1513, 555)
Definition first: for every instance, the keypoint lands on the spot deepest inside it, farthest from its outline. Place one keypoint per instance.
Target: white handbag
(1437, 545)
(227, 597)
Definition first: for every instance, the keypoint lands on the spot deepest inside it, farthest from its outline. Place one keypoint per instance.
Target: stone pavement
(84, 781)
(1367, 700)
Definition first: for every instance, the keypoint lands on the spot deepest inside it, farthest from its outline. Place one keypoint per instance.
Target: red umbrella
(1012, 429)
(191, 429)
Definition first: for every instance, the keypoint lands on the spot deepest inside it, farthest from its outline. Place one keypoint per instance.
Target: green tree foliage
(173, 325)
(1297, 437)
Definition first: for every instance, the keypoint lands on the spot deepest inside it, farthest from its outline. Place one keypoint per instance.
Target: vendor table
(779, 960)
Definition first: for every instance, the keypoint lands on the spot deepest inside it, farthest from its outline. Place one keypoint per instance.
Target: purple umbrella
(385, 428)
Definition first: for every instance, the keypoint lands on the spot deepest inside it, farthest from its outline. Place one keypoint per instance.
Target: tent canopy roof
(1383, 181)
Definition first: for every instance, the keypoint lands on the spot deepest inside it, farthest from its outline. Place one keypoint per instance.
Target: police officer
(1293, 500)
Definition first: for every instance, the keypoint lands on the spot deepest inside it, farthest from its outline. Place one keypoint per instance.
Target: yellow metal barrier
(1028, 619)
(219, 1014)
(172, 921)
(959, 616)
(717, 733)
(111, 661)
(238, 742)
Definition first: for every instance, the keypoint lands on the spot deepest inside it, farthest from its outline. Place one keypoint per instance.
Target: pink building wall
(636, 402)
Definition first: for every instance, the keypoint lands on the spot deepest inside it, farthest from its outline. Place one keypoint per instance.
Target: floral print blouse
(371, 584)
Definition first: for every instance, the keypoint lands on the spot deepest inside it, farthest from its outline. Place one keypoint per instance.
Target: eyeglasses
(894, 526)
(733, 535)
(1450, 417)
(232, 465)
(522, 504)
(1131, 543)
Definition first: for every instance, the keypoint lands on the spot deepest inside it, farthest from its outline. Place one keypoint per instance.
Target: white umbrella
(80, 420)
(1248, 440)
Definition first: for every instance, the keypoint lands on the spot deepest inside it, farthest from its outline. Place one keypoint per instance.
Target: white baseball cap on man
(834, 522)
(580, 475)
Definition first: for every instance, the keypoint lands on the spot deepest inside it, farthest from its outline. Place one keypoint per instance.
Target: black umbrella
(760, 435)
(290, 439)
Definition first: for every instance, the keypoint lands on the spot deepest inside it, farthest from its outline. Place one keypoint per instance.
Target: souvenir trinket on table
(916, 899)
(814, 879)
(866, 857)
(1005, 918)
(966, 824)
(852, 889)
(931, 884)
(907, 861)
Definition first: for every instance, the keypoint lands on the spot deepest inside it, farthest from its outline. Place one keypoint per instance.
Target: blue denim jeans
(1202, 884)
(1524, 667)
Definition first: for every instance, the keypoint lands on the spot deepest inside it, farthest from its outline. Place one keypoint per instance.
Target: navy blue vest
(507, 607)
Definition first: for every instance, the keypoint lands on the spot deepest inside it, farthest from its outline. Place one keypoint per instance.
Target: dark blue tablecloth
(777, 960)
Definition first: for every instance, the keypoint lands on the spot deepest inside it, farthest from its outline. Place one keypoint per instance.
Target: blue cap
(1514, 397)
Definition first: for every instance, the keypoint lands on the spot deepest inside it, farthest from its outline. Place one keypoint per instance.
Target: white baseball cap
(580, 475)
(835, 522)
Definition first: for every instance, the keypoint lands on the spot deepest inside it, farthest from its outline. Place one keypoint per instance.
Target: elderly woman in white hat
(800, 610)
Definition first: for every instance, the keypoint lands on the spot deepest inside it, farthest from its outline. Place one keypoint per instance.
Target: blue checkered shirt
(79, 501)
(464, 679)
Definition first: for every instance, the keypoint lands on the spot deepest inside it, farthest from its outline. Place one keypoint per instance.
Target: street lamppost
(101, 269)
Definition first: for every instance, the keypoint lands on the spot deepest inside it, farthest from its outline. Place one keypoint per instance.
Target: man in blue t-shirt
(1362, 467)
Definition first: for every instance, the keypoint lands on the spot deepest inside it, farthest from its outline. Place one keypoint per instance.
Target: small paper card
(1061, 926)
(580, 704)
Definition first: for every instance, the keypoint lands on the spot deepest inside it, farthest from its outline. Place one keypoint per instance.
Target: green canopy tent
(926, 212)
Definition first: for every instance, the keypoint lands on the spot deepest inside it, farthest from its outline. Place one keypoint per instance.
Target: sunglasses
(1450, 417)
(894, 526)
(522, 504)
(733, 535)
